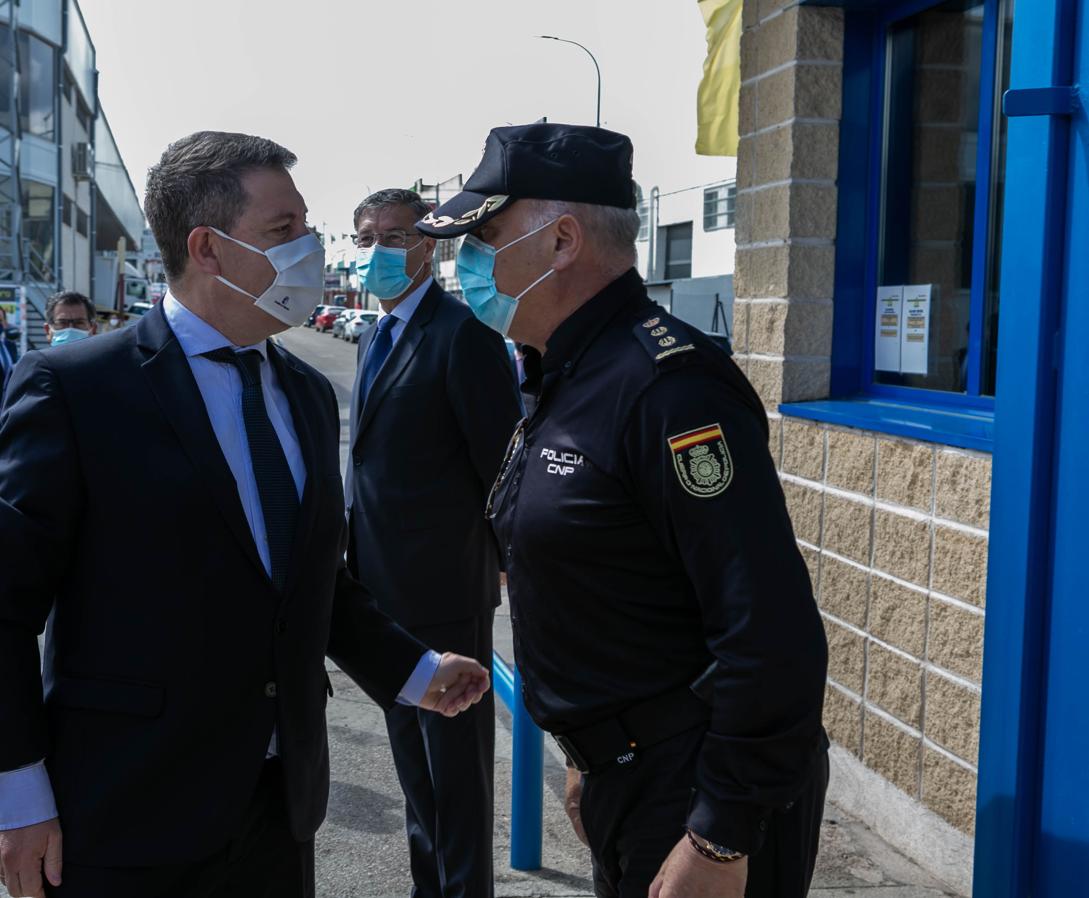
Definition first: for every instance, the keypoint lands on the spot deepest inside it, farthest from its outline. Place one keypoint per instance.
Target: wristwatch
(717, 853)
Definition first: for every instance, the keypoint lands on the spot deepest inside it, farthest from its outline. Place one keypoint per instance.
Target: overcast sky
(376, 94)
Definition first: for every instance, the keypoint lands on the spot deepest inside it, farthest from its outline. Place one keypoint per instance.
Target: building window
(83, 115)
(66, 84)
(38, 230)
(643, 209)
(718, 206)
(66, 215)
(678, 251)
(81, 222)
(37, 86)
(7, 75)
(448, 250)
(938, 237)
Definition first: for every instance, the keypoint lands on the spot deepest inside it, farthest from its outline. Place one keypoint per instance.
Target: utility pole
(597, 68)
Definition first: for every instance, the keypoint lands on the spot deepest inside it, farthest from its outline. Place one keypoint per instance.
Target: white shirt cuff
(416, 685)
(26, 797)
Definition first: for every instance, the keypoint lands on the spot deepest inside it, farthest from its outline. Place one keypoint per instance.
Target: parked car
(313, 315)
(324, 321)
(360, 323)
(341, 321)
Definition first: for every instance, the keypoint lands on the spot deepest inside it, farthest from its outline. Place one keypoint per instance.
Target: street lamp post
(597, 68)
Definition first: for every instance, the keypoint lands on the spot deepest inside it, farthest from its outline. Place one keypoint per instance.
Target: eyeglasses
(392, 239)
(62, 323)
(517, 441)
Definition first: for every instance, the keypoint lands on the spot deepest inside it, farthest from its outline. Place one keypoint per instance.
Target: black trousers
(262, 861)
(446, 769)
(635, 815)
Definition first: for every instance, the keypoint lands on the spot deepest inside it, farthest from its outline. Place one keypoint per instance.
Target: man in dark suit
(433, 407)
(182, 720)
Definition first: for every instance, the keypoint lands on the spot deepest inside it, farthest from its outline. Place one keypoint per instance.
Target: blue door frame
(1032, 824)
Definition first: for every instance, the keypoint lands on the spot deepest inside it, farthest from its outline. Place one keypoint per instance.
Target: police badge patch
(702, 461)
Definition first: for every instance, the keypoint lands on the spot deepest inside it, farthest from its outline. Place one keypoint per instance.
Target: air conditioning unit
(83, 161)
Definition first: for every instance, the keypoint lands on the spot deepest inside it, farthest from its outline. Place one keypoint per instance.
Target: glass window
(718, 206)
(38, 230)
(37, 87)
(66, 215)
(678, 251)
(7, 50)
(938, 142)
(81, 222)
(83, 115)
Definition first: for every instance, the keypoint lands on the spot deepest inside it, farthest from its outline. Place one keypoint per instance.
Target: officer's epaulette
(663, 337)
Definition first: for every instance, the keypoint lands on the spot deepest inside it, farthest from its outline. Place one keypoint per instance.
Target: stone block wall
(894, 531)
(894, 534)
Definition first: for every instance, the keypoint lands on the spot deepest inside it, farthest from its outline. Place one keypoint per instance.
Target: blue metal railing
(527, 780)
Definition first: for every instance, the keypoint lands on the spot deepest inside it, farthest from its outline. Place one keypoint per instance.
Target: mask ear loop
(550, 271)
(248, 246)
(530, 234)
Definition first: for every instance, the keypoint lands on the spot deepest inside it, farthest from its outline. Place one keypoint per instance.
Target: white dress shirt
(26, 796)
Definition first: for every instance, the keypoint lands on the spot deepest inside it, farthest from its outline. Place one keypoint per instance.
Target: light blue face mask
(382, 270)
(68, 335)
(476, 272)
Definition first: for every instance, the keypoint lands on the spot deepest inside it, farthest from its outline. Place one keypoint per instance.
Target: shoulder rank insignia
(702, 461)
(662, 340)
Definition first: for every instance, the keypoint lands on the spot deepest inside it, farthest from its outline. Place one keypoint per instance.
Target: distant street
(333, 357)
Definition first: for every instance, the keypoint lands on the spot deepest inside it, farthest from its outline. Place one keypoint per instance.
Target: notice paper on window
(887, 341)
(915, 329)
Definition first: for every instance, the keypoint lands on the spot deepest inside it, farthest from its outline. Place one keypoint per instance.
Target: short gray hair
(392, 196)
(198, 183)
(613, 229)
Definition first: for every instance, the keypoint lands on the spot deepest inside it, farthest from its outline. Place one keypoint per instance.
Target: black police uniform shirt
(647, 539)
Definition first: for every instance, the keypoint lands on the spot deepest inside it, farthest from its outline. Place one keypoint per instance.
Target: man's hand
(458, 684)
(572, 803)
(23, 854)
(688, 874)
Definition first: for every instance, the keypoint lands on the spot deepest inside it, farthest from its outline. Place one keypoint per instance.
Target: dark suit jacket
(169, 655)
(425, 451)
(13, 354)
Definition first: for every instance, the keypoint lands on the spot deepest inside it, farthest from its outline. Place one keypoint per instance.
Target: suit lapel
(365, 340)
(172, 382)
(296, 386)
(403, 350)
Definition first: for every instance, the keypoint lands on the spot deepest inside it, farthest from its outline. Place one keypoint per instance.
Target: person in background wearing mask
(664, 622)
(433, 407)
(180, 732)
(69, 316)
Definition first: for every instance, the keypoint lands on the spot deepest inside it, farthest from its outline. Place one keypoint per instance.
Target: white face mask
(300, 278)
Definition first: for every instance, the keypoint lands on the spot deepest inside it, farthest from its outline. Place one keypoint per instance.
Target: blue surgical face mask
(68, 335)
(476, 272)
(382, 270)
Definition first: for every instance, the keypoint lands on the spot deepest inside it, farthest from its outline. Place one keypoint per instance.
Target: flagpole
(597, 68)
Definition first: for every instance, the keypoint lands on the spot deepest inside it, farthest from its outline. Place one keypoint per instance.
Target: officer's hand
(688, 874)
(458, 683)
(23, 854)
(572, 803)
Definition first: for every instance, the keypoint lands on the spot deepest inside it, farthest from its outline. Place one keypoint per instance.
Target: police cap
(542, 161)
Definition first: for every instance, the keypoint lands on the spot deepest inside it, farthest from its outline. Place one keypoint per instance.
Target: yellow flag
(719, 91)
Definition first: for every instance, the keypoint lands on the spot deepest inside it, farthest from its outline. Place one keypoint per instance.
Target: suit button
(270, 689)
(281, 626)
(356, 460)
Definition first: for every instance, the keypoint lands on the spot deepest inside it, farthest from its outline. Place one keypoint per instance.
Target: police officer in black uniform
(664, 622)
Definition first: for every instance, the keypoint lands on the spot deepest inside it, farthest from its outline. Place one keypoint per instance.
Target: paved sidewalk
(361, 849)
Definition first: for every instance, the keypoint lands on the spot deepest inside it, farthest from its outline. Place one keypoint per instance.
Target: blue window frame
(873, 63)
